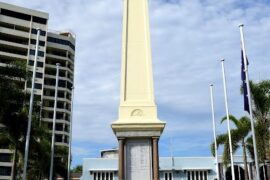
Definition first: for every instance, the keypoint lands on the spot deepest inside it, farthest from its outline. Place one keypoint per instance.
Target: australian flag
(244, 80)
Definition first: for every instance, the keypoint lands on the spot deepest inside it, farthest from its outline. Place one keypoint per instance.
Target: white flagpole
(30, 109)
(228, 119)
(171, 151)
(250, 102)
(54, 118)
(70, 135)
(214, 128)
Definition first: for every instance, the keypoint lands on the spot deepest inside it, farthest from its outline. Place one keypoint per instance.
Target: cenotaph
(138, 129)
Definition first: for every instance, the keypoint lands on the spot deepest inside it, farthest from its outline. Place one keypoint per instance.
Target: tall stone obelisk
(138, 129)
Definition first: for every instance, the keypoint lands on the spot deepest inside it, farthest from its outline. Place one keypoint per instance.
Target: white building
(171, 168)
(18, 34)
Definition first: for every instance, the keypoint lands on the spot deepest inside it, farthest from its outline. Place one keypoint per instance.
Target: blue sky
(188, 39)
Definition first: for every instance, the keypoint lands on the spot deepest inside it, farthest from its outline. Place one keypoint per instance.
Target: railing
(63, 31)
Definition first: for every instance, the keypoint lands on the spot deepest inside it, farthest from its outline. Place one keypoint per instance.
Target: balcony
(19, 52)
(62, 144)
(11, 55)
(8, 43)
(17, 40)
(14, 32)
(53, 66)
(57, 110)
(46, 97)
(52, 87)
(60, 78)
(47, 119)
(20, 22)
(60, 46)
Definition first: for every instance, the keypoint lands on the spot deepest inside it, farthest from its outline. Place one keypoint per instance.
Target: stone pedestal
(138, 158)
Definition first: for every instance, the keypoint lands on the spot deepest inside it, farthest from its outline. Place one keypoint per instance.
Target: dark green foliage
(261, 100)
(238, 136)
(13, 112)
(261, 109)
(260, 93)
(14, 102)
(77, 169)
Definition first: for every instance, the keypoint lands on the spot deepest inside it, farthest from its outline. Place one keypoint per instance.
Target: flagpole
(54, 118)
(228, 119)
(30, 109)
(250, 102)
(70, 135)
(214, 128)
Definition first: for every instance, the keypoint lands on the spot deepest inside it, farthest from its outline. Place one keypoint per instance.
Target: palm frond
(231, 118)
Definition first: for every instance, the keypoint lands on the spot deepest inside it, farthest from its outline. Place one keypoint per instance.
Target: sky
(188, 40)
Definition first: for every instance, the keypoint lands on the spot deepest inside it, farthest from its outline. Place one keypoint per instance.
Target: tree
(13, 115)
(61, 160)
(261, 109)
(39, 156)
(77, 169)
(239, 139)
(14, 119)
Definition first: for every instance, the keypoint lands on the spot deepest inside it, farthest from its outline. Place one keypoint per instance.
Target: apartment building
(18, 34)
(60, 49)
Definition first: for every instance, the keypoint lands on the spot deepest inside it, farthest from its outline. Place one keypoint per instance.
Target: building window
(62, 83)
(32, 52)
(5, 171)
(59, 127)
(39, 20)
(42, 33)
(66, 139)
(12, 38)
(11, 49)
(168, 176)
(5, 157)
(38, 86)
(40, 53)
(59, 115)
(39, 64)
(102, 175)
(39, 75)
(58, 138)
(197, 175)
(61, 94)
(15, 14)
(41, 43)
(61, 41)
(60, 105)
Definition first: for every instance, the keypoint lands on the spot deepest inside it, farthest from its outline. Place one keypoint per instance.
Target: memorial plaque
(138, 162)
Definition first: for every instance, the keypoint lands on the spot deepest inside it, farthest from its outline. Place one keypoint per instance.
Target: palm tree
(261, 109)
(260, 94)
(239, 137)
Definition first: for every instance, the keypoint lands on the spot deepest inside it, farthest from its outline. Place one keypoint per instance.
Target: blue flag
(243, 76)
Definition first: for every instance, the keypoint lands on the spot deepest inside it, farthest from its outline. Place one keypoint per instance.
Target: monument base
(138, 158)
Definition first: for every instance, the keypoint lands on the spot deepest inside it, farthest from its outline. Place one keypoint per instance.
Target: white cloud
(188, 39)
